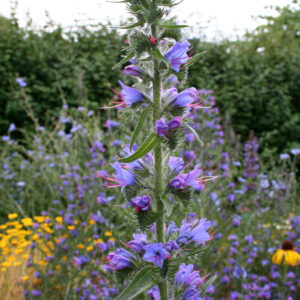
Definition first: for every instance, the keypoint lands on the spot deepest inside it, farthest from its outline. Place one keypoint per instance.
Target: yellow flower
(27, 221)
(71, 227)
(92, 222)
(12, 216)
(59, 220)
(286, 254)
(40, 219)
(108, 233)
(25, 278)
(89, 248)
(80, 246)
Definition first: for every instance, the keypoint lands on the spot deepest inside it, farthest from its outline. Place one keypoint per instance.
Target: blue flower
(141, 202)
(21, 82)
(119, 259)
(128, 95)
(176, 164)
(175, 123)
(156, 254)
(185, 98)
(132, 70)
(178, 56)
(161, 127)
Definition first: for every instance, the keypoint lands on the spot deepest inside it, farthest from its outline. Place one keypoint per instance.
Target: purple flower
(176, 164)
(295, 151)
(190, 155)
(122, 178)
(138, 243)
(98, 218)
(284, 156)
(81, 260)
(141, 202)
(161, 127)
(171, 246)
(177, 55)
(127, 96)
(111, 124)
(187, 277)
(156, 254)
(172, 228)
(154, 293)
(175, 123)
(119, 259)
(132, 70)
(196, 232)
(183, 180)
(36, 293)
(21, 82)
(185, 98)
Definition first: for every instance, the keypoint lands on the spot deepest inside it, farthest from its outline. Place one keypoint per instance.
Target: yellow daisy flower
(286, 254)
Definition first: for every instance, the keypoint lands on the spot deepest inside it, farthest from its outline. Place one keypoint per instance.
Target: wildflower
(21, 82)
(171, 246)
(191, 179)
(154, 293)
(127, 96)
(176, 164)
(122, 178)
(156, 254)
(141, 203)
(284, 156)
(132, 70)
(178, 56)
(295, 151)
(161, 127)
(111, 124)
(185, 98)
(12, 216)
(138, 243)
(186, 276)
(286, 254)
(196, 232)
(12, 127)
(120, 259)
(82, 260)
(175, 123)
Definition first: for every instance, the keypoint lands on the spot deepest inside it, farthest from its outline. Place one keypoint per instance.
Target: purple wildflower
(175, 123)
(161, 127)
(132, 70)
(141, 202)
(21, 82)
(119, 259)
(178, 56)
(122, 178)
(154, 293)
(186, 98)
(156, 254)
(171, 246)
(176, 164)
(187, 277)
(111, 124)
(138, 243)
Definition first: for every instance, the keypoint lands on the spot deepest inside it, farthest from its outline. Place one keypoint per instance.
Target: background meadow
(58, 222)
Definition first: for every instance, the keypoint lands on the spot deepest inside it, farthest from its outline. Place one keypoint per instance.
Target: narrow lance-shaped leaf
(139, 125)
(208, 283)
(195, 58)
(195, 134)
(139, 23)
(139, 284)
(124, 60)
(150, 142)
(170, 25)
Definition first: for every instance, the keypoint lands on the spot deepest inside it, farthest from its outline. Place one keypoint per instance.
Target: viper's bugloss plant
(154, 176)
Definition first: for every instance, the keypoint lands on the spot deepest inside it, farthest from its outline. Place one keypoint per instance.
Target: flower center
(287, 245)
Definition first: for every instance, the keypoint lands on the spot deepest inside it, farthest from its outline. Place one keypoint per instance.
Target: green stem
(163, 285)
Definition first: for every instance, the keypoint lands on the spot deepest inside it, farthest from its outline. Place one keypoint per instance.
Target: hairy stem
(163, 285)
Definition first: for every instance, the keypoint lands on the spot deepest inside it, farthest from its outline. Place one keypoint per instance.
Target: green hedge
(259, 89)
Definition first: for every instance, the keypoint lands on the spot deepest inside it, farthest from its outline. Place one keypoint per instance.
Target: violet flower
(141, 203)
(132, 70)
(156, 254)
(119, 259)
(161, 127)
(178, 56)
(175, 123)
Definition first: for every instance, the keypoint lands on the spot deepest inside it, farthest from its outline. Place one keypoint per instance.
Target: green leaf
(139, 23)
(208, 283)
(195, 134)
(169, 4)
(170, 25)
(150, 142)
(139, 284)
(195, 58)
(124, 60)
(184, 195)
(168, 205)
(139, 125)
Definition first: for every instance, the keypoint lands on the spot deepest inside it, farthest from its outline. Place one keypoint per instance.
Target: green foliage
(73, 64)
(256, 79)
